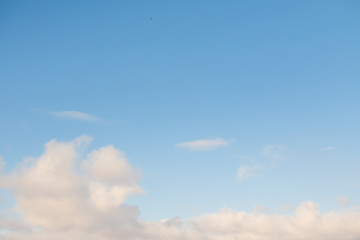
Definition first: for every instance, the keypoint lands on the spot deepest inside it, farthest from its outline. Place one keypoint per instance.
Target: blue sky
(277, 81)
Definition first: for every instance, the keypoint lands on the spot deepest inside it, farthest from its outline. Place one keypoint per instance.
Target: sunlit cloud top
(76, 116)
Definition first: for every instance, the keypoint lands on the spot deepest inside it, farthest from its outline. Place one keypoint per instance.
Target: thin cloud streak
(327, 149)
(203, 144)
(76, 116)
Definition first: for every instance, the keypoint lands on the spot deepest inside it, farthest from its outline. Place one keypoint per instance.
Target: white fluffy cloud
(54, 192)
(203, 144)
(62, 195)
(76, 115)
(308, 223)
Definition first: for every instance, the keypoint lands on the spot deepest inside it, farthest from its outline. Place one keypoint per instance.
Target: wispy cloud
(274, 151)
(203, 144)
(2, 164)
(342, 201)
(76, 115)
(330, 148)
(245, 172)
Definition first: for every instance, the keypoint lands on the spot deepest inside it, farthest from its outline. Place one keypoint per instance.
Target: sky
(197, 120)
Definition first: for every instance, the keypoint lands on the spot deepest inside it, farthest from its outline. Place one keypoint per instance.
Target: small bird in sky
(150, 18)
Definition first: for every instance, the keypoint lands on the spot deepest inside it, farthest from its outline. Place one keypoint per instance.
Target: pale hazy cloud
(286, 207)
(330, 148)
(76, 115)
(203, 144)
(2, 163)
(65, 195)
(342, 201)
(245, 172)
(274, 151)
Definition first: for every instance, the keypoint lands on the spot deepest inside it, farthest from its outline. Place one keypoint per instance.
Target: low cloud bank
(62, 195)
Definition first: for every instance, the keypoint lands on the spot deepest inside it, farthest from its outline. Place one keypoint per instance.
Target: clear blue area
(253, 72)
